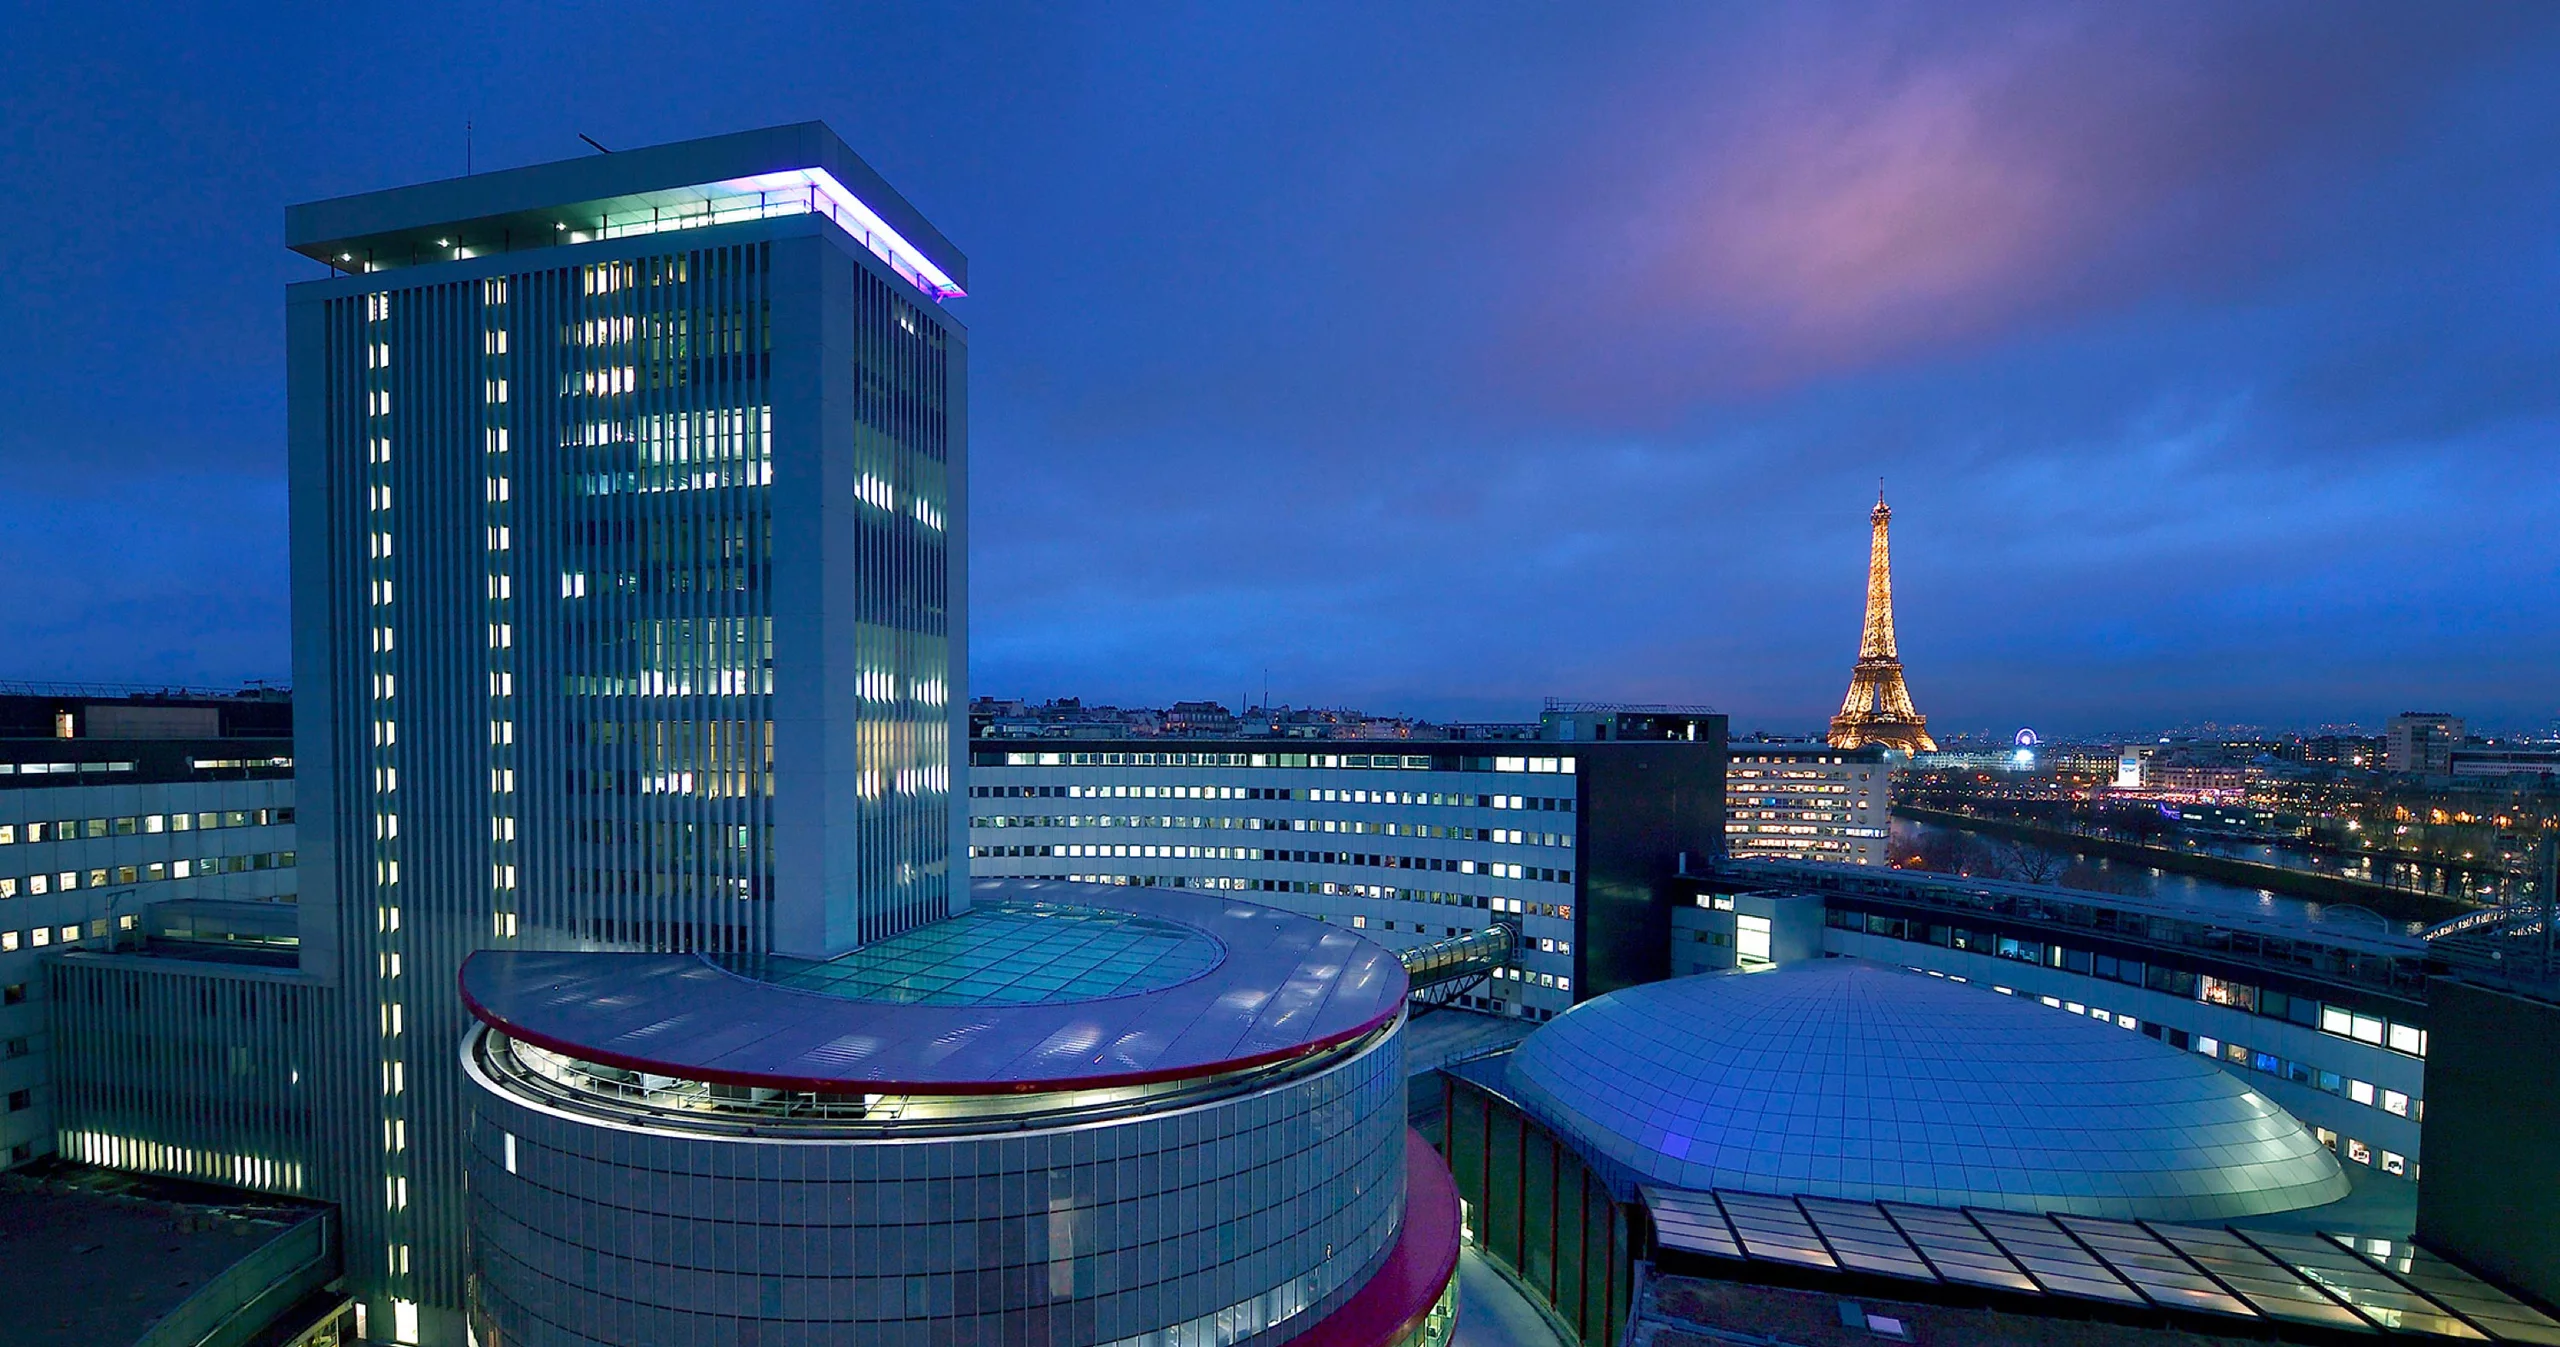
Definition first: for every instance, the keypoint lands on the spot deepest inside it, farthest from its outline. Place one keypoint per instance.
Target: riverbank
(2396, 904)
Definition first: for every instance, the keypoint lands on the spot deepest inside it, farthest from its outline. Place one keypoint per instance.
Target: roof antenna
(466, 147)
(592, 141)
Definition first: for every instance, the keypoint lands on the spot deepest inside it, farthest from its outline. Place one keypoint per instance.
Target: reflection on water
(2399, 874)
(1936, 846)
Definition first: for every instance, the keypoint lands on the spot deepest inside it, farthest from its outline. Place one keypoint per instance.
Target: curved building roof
(1041, 986)
(1842, 1078)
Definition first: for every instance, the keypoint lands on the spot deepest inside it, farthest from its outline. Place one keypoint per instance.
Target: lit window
(2395, 1102)
(2360, 1091)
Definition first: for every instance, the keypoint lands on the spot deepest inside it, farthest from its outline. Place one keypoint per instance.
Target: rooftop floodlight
(444, 243)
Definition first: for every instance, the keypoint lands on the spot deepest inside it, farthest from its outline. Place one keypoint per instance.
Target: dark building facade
(2489, 1195)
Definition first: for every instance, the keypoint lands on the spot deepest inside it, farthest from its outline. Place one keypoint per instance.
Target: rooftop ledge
(751, 175)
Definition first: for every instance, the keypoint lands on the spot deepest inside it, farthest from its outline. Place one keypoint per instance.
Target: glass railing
(692, 1105)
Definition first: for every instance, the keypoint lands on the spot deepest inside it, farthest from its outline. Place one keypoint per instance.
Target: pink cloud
(1842, 213)
(1797, 204)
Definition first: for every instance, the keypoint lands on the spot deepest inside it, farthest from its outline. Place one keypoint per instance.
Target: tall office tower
(629, 583)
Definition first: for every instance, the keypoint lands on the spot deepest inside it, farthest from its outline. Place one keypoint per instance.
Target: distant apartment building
(2133, 766)
(1199, 718)
(2202, 780)
(2421, 741)
(2083, 764)
(1575, 842)
(124, 818)
(2187, 771)
(1807, 801)
(2342, 750)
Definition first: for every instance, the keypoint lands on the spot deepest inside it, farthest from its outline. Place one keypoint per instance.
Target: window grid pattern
(1442, 852)
(208, 1074)
(899, 545)
(80, 865)
(653, 806)
(1226, 1223)
(535, 517)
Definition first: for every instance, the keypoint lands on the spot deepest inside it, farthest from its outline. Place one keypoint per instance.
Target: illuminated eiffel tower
(1878, 709)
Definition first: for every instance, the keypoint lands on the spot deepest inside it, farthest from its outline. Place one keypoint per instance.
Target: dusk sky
(1436, 359)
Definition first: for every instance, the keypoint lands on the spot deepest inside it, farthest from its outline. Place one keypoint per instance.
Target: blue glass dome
(1843, 1078)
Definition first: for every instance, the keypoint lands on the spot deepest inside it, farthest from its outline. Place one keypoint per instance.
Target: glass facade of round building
(1234, 1196)
(1843, 1078)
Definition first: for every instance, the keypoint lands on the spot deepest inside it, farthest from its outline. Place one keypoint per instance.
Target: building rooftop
(99, 1256)
(2072, 1266)
(1043, 986)
(1846, 1079)
(803, 169)
(2343, 927)
(1007, 953)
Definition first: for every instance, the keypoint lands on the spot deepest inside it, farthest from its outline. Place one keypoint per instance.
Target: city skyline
(632, 929)
(2187, 350)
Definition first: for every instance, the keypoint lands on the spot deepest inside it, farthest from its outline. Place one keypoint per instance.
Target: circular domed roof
(1842, 1078)
(1040, 986)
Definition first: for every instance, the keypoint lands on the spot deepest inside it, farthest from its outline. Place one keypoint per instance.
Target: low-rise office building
(1807, 801)
(124, 818)
(1577, 842)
